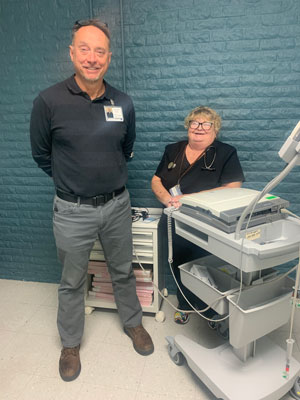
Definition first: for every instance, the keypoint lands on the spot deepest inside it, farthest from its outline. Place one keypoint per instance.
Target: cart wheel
(295, 391)
(165, 292)
(177, 358)
(88, 310)
(212, 324)
(160, 316)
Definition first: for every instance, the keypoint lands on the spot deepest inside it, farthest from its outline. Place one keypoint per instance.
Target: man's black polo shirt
(73, 142)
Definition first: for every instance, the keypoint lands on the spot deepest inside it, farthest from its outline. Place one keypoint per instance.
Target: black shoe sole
(70, 378)
(141, 352)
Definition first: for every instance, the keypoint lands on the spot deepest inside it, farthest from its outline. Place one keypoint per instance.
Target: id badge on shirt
(113, 114)
(175, 190)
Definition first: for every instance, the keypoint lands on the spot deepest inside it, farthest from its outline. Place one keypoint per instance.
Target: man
(85, 150)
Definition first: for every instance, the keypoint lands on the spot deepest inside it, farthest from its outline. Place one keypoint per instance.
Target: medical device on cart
(247, 234)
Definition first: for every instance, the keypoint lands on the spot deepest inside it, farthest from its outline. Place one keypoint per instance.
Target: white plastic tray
(215, 297)
(260, 310)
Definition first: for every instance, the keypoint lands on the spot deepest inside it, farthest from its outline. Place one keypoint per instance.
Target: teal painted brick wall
(240, 57)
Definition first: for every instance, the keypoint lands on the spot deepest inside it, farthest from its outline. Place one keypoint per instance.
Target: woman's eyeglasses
(204, 125)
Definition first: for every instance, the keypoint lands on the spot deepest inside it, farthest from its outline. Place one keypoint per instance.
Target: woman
(200, 163)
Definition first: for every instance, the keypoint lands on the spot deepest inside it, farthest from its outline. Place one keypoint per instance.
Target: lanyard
(180, 176)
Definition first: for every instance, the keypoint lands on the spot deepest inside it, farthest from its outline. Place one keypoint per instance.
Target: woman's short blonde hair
(209, 112)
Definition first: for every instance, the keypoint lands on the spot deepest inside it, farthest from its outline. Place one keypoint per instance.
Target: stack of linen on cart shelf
(102, 285)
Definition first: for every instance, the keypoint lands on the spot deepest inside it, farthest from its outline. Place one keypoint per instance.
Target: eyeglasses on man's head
(91, 22)
(86, 22)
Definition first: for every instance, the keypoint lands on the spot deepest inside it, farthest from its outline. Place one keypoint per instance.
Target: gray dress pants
(76, 227)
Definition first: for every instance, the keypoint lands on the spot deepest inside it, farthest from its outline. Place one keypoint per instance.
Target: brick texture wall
(240, 57)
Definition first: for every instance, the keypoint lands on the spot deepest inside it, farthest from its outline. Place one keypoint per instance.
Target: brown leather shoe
(69, 363)
(141, 340)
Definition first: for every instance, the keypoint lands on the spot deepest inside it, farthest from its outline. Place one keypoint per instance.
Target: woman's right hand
(174, 201)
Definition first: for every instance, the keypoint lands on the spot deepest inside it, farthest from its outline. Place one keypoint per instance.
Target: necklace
(209, 167)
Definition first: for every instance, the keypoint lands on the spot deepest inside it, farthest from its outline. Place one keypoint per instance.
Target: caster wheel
(160, 316)
(165, 292)
(88, 310)
(177, 358)
(295, 391)
(213, 324)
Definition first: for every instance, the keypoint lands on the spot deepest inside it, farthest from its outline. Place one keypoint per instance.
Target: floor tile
(27, 352)
(115, 365)
(9, 287)
(104, 326)
(6, 338)
(14, 316)
(42, 322)
(91, 391)
(13, 384)
(52, 296)
(35, 293)
(43, 388)
(157, 396)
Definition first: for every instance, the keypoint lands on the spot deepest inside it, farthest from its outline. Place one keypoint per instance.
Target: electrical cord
(139, 213)
(285, 211)
(168, 301)
(170, 260)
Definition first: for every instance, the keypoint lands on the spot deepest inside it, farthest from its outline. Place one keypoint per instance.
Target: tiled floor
(111, 369)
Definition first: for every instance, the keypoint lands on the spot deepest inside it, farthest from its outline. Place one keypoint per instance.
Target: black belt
(93, 201)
